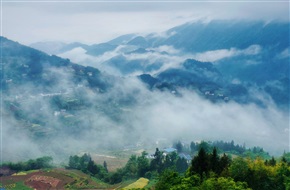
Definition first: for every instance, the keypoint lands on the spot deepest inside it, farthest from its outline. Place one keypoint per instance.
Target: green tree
(142, 164)
(200, 164)
(116, 177)
(222, 183)
(214, 161)
(105, 166)
(92, 167)
(157, 163)
(260, 176)
(282, 177)
(188, 183)
(181, 165)
(178, 146)
(83, 162)
(239, 169)
(205, 146)
(167, 180)
(272, 162)
(193, 147)
(131, 167)
(170, 161)
(224, 164)
(31, 165)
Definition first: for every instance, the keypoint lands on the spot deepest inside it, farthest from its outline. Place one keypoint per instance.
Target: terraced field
(140, 183)
(51, 179)
(60, 178)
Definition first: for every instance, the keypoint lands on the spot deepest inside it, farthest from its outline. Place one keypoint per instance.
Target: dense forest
(211, 171)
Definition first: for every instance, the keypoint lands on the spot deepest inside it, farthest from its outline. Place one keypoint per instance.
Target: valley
(193, 102)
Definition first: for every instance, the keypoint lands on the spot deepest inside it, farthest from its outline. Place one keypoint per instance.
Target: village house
(187, 157)
(168, 151)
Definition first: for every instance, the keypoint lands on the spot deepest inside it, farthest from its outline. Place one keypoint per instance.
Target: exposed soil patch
(42, 182)
(113, 163)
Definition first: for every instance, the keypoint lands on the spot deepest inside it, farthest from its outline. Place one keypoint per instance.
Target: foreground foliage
(208, 170)
(212, 172)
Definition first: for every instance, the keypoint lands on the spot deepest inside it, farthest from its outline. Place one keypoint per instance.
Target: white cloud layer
(151, 116)
(97, 22)
(217, 55)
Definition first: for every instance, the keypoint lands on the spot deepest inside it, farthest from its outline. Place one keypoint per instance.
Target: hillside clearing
(140, 183)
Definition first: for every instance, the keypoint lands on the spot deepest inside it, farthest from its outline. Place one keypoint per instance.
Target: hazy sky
(98, 21)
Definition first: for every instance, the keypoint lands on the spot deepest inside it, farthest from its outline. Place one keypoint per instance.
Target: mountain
(137, 89)
(192, 73)
(237, 50)
(220, 34)
(128, 66)
(54, 48)
(139, 41)
(47, 96)
(27, 65)
(203, 78)
(121, 39)
(51, 47)
(99, 49)
(247, 54)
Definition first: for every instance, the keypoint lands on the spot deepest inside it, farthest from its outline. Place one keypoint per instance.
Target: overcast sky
(95, 22)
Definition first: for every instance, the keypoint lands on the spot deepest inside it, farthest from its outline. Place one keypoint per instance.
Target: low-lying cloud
(193, 118)
(129, 113)
(164, 57)
(216, 55)
(167, 56)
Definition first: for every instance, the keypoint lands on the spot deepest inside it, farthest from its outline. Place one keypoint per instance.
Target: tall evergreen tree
(142, 165)
(105, 166)
(214, 161)
(157, 163)
(178, 146)
(272, 162)
(224, 163)
(200, 163)
(192, 147)
(92, 167)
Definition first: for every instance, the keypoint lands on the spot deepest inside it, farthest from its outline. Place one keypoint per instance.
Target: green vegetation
(223, 147)
(88, 166)
(151, 184)
(39, 163)
(140, 183)
(15, 186)
(210, 169)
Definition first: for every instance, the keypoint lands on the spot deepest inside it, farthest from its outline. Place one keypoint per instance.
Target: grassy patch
(140, 183)
(151, 184)
(77, 180)
(122, 184)
(25, 172)
(15, 186)
(19, 173)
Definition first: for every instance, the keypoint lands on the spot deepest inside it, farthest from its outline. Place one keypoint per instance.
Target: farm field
(115, 159)
(60, 178)
(51, 179)
(113, 163)
(140, 183)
